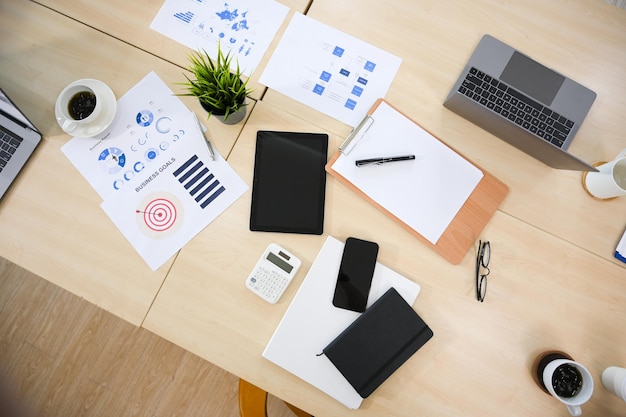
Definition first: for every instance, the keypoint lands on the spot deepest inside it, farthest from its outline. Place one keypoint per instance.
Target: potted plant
(221, 92)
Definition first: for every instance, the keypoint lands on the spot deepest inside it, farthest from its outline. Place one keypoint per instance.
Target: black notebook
(384, 337)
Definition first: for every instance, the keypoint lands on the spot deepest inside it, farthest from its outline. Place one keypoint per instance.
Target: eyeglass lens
(484, 255)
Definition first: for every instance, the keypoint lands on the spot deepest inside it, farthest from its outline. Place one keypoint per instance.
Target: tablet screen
(289, 186)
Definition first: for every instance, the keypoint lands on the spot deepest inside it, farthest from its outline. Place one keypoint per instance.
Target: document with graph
(154, 172)
(161, 212)
(245, 27)
(145, 131)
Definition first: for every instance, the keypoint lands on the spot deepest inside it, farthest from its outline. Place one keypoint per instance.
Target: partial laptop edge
(521, 101)
(18, 140)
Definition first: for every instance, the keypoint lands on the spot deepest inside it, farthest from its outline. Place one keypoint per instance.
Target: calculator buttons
(272, 273)
(268, 284)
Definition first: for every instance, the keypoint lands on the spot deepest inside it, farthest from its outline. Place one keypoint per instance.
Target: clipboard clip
(356, 135)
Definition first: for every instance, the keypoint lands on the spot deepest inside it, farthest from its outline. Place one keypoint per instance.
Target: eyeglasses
(482, 260)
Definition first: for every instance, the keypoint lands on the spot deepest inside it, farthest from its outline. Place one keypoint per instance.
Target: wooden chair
(253, 402)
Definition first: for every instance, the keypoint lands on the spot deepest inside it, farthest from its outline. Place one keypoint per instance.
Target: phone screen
(355, 274)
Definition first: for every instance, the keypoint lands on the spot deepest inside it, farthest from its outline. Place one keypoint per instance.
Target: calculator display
(276, 260)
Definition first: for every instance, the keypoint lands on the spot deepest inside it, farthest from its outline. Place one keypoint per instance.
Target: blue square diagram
(350, 104)
(369, 66)
(357, 91)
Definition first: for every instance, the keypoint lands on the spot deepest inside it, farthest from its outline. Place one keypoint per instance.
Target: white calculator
(273, 273)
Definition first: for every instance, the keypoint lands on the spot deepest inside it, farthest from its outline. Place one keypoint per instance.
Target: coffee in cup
(82, 104)
(569, 382)
(79, 104)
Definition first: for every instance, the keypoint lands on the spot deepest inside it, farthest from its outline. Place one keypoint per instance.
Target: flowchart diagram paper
(329, 70)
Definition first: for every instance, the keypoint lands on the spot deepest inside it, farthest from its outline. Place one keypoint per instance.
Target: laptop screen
(12, 112)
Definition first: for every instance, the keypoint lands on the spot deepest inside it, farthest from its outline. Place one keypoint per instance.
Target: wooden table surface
(130, 21)
(544, 293)
(51, 218)
(554, 283)
(435, 39)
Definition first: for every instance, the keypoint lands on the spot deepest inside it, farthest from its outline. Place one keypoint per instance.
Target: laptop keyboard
(8, 146)
(517, 107)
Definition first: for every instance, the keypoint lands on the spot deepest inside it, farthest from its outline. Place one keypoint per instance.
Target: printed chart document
(154, 172)
(245, 27)
(329, 70)
(312, 321)
(144, 131)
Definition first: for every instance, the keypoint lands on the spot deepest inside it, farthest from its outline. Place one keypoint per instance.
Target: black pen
(383, 160)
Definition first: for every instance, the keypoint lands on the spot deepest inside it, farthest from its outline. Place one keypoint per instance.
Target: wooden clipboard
(465, 228)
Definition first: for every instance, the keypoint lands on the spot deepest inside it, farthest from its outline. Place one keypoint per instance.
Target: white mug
(583, 394)
(614, 380)
(610, 181)
(70, 100)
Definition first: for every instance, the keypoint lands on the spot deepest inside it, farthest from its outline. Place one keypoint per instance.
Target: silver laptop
(18, 140)
(521, 101)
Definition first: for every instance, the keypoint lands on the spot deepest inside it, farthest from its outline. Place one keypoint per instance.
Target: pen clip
(356, 135)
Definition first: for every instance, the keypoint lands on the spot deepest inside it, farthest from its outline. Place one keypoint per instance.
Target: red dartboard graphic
(159, 216)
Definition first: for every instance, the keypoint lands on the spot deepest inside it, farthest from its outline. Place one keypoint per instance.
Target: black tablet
(289, 186)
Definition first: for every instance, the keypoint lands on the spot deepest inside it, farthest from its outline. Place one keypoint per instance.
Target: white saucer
(107, 113)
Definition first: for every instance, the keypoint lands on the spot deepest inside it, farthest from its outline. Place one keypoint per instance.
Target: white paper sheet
(425, 193)
(620, 251)
(245, 27)
(136, 166)
(159, 217)
(311, 322)
(329, 70)
(145, 130)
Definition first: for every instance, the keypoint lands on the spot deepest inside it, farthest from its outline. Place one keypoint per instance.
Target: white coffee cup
(614, 380)
(73, 95)
(574, 402)
(610, 181)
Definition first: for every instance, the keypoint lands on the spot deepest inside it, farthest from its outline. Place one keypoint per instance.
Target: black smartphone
(355, 274)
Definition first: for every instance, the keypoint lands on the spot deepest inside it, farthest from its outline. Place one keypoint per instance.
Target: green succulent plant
(220, 91)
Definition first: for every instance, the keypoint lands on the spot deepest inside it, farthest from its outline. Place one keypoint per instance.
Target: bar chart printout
(245, 27)
(153, 170)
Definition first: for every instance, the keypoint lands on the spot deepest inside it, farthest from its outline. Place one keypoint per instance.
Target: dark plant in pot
(221, 91)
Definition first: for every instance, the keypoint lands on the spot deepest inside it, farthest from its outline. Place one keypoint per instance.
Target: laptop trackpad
(532, 78)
